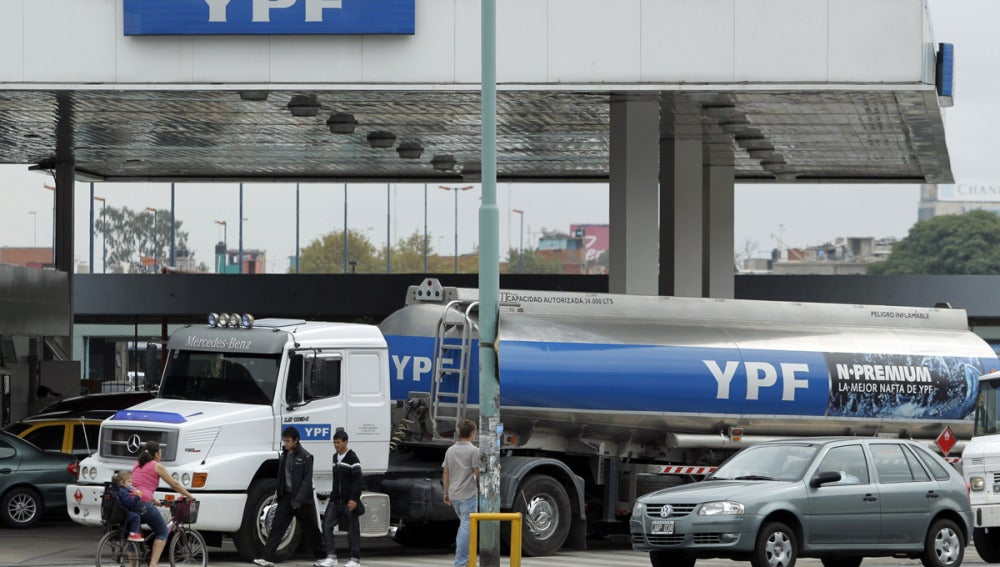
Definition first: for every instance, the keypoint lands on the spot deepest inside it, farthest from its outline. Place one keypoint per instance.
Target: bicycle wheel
(187, 547)
(115, 551)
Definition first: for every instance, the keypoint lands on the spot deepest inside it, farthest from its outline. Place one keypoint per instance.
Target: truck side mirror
(296, 380)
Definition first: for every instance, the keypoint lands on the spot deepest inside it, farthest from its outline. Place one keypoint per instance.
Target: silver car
(838, 499)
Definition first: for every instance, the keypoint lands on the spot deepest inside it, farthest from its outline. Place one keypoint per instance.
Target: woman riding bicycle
(146, 476)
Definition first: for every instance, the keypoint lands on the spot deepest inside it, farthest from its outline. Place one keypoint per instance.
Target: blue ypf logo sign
(268, 17)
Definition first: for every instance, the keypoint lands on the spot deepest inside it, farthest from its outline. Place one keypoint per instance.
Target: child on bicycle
(130, 499)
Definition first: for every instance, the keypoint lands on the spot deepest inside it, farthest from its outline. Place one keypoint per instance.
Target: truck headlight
(638, 510)
(724, 507)
(92, 473)
(186, 479)
(977, 483)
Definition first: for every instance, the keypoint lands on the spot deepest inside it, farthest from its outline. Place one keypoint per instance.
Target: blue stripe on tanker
(657, 378)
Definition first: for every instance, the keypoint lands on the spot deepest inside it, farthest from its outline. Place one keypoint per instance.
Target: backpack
(112, 511)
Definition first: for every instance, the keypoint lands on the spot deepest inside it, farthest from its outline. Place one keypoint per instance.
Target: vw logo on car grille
(666, 510)
(133, 444)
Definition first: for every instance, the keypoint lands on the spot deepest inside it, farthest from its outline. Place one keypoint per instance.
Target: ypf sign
(946, 441)
(268, 17)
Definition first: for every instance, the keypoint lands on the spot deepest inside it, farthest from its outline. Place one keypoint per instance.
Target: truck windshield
(986, 408)
(220, 377)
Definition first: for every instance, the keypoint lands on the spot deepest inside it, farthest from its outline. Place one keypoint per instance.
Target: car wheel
(21, 507)
(841, 561)
(987, 544)
(944, 545)
(776, 546)
(664, 558)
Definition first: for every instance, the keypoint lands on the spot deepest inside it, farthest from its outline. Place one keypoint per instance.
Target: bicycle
(185, 546)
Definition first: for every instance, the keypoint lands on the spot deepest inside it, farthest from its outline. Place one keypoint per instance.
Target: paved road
(65, 544)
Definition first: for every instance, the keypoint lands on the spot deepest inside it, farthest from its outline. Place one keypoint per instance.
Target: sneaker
(353, 563)
(135, 536)
(263, 563)
(327, 562)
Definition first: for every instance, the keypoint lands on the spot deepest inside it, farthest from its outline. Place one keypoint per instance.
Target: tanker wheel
(252, 537)
(544, 507)
(987, 544)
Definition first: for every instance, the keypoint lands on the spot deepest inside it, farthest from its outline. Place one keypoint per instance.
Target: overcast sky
(800, 215)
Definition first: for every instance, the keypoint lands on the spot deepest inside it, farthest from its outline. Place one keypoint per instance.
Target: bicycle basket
(185, 511)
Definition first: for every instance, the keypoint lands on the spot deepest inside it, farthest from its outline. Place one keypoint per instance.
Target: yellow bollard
(515, 534)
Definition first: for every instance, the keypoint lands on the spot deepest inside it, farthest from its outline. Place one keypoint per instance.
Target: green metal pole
(489, 291)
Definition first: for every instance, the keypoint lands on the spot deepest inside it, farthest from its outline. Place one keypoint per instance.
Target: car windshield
(220, 377)
(767, 462)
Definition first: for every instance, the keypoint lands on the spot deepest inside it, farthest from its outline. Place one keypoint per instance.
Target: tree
(325, 255)
(408, 254)
(534, 262)
(947, 244)
(130, 234)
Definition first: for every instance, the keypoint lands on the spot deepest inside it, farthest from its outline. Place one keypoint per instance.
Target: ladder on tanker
(452, 357)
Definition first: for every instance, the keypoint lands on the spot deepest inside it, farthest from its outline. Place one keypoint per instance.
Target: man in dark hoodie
(295, 499)
(344, 506)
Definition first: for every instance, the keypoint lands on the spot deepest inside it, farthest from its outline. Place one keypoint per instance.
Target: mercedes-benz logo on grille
(133, 443)
(666, 510)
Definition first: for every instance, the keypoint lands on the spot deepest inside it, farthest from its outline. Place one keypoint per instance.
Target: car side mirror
(824, 477)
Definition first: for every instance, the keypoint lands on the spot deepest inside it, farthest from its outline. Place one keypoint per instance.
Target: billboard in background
(979, 192)
(268, 17)
(596, 238)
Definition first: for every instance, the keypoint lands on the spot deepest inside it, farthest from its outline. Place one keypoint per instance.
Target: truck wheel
(987, 544)
(775, 547)
(544, 507)
(944, 545)
(665, 558)
(252, 537)
(21, 507)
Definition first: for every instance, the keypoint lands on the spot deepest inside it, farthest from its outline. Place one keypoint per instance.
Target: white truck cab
(981, 467)
(228, 390)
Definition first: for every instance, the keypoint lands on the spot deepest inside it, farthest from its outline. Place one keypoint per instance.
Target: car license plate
(663, 527)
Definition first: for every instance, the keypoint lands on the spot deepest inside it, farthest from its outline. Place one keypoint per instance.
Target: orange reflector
(735, 434)
(198, 479)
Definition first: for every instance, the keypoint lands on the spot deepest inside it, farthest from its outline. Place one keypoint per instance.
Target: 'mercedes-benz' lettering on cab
(218, 342)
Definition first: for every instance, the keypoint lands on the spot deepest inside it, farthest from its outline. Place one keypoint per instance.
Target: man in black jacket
(345, 505)
(295, 498)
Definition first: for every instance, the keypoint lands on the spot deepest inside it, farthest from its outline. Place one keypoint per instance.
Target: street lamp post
(520, 249)
(456, 190)
(152, 210)
(104, 237)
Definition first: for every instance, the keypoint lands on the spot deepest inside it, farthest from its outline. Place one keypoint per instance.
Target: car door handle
(870, 498)
(6, 471)
(932, 494)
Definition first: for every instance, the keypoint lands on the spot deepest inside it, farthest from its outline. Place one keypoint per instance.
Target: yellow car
(74, 435)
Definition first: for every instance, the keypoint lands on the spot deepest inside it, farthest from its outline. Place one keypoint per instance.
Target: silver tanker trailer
(603, 398)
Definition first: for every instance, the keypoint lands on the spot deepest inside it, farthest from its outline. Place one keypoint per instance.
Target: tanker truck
(602, 399)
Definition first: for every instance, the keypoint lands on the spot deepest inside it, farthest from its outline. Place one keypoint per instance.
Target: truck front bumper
(218, 512)
(986, 515)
